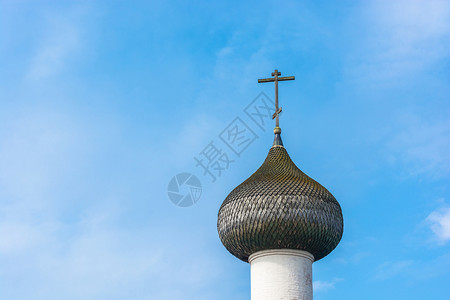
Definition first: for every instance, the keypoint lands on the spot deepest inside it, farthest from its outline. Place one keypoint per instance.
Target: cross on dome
(275, 79)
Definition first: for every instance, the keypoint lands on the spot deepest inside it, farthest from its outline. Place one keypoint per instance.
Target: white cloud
(412, 20)
(323, 286)
(17, 237)
(37, 150)
(95, 258)
(61, 38)
(415, 270)
(390, 269)
(422, 145)
(402, 37)
(45, 253)
(439, 222)
(224, 52)
(192, 137)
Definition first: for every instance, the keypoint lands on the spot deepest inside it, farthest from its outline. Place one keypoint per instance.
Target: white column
(281, 274)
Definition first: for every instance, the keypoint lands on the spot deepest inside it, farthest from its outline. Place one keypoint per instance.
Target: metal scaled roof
(280, 207)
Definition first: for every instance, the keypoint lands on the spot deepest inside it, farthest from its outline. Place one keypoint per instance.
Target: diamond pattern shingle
(280, 207)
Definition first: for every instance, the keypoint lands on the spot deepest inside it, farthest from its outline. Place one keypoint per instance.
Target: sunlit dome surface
(280, 207)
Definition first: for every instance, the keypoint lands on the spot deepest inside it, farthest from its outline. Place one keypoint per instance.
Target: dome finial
(277, 140)
(277, 131)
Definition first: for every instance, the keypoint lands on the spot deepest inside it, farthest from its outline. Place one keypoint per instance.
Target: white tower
(280, 221)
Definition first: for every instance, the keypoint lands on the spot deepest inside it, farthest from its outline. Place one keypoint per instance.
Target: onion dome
(280, 207)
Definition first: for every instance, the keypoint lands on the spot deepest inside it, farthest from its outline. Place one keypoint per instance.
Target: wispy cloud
(422, 145)
(402, 37)
(94, 258)
(61, 38)
(439, 222)
(414, 270)
(391, 269)
(323, 286)
(33, 152)
(87, 254)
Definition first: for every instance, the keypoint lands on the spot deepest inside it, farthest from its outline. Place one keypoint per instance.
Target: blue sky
(103, 102)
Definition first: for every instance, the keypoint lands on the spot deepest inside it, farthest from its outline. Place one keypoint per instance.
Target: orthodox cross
(276, 79)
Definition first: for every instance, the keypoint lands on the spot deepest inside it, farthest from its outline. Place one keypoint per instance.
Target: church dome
(280, 207)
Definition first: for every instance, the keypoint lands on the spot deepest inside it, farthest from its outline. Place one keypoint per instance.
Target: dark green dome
(280, 207)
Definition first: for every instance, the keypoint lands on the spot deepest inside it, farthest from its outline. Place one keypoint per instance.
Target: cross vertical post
(277, 120)
(275, 79)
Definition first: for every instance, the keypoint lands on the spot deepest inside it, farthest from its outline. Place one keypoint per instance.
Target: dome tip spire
(277, 142)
